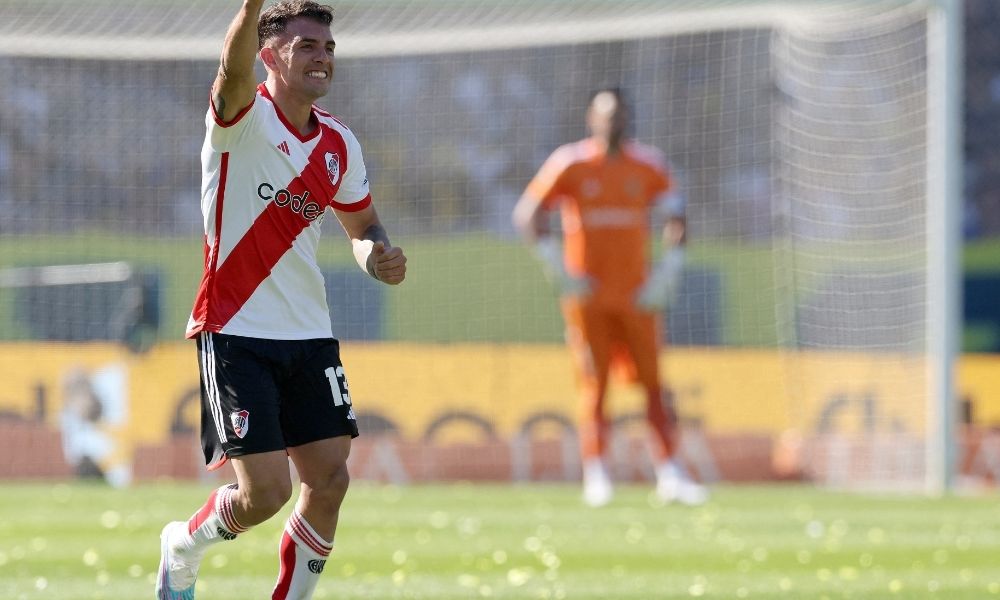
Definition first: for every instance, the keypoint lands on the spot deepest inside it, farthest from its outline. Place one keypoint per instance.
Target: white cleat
(178, 568)
(597, 488)
(681, 489)
(597, 493)
(673, 484)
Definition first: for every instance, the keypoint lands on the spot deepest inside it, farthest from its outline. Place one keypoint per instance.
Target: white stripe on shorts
(211, 385)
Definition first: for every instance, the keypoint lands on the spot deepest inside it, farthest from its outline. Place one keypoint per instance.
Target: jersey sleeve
(243, 128)
(661, 183)
(660, 179)
(551, 182)
(354, 193)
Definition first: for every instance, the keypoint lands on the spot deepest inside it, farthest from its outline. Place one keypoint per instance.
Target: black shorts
(264, 395)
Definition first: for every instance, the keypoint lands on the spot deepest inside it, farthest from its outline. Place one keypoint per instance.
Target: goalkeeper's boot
(178, 564)
(597, 488)
(673, 484)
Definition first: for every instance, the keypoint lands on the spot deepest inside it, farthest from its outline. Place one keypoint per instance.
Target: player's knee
(266, 500)
(331, 490)
(340, 479)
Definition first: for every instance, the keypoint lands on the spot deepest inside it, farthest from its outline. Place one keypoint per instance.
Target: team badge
(316, 566)
(241, 422)
(333, 167)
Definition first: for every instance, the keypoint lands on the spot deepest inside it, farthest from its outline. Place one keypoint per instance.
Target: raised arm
(372, 248)
(235, 85)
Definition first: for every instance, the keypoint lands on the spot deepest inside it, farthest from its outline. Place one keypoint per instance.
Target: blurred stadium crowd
(982, 118)
(115, 144)
(450, 140)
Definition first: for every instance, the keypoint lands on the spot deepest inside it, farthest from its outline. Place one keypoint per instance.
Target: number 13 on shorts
(338, 385)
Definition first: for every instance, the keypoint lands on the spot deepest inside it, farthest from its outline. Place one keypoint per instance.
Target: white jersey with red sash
(265, 189)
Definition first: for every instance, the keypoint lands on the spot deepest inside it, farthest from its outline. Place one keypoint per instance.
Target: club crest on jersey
(241, 422)
(333, 167)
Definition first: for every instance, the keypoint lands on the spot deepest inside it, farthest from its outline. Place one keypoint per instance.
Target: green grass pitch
(464, 541)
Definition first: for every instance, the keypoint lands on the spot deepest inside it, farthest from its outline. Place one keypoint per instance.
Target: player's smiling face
(304, 61)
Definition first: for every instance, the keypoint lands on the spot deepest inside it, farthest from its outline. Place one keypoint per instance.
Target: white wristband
(362, 250)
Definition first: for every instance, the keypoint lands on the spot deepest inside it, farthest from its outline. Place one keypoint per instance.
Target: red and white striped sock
(215, 521)
(303, 555)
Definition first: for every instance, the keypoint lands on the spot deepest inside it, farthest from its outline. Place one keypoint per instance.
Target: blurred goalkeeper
(608, 190)
(272, 384)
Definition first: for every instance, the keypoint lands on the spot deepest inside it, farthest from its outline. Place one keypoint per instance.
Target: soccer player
(272, 384)
(608, 189)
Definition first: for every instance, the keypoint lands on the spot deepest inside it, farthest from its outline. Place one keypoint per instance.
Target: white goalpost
(944, 157)
(818, 142)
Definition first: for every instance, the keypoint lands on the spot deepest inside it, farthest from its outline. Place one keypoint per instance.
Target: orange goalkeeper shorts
(603, 337)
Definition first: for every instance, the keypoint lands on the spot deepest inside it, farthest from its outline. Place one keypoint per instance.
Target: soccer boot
(178, 567)
(597, 488)
(673, 484)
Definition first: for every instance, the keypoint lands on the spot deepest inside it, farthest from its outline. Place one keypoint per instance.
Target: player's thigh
(323, 463)
(640, 334)
(264, 472)
(315, 397)
(590, 335)
(240, 399)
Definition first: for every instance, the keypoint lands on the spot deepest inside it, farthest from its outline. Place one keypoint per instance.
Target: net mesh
(796, 128)
(851, 212)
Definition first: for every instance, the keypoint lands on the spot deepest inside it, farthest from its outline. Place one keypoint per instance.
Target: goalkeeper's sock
(303, 555)
(215, 521)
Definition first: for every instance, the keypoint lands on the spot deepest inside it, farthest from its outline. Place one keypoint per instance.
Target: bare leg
(263, 486)
(309, 532)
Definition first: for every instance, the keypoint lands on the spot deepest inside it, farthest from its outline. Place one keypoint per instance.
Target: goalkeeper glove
(549, 253)
(661, 286)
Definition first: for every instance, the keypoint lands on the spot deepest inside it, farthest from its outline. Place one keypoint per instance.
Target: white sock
(303, 555)
(671, 470)
(668, 469)
(215, 522)
(593, 469)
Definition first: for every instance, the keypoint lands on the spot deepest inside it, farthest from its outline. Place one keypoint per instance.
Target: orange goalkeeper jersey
(605, 201)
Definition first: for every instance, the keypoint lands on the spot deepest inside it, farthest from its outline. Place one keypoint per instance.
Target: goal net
(812, 336)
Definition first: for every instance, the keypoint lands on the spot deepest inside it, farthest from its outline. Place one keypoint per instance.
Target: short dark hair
(275, 18)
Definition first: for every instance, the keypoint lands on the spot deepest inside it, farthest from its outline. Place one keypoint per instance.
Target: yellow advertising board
(497, 389)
